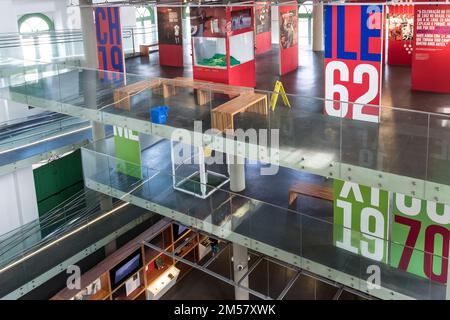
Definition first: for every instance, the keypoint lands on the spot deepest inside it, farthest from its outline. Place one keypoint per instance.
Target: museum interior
(224, 150)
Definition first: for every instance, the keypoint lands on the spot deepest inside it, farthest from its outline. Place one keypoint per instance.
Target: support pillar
(317, 16)
(447, 296)
(240, 267)
(236, 170)
(90, 78)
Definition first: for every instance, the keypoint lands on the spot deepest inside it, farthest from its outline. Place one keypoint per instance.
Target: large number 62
(331, 89)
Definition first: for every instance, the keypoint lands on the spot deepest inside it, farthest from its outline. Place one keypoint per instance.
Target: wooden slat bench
(122, 95)
(309, 190)
(223, 115)
(204, 89)
(144, 49)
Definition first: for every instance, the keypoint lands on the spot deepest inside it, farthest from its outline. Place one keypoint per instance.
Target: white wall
(18, 199)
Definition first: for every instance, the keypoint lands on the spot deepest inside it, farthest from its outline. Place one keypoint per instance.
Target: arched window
(35, 29)
(145, 18)
(305, 23)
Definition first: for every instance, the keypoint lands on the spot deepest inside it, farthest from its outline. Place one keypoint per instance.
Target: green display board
(420, 237)
(128, 152)
(57, 181)
(361, 219)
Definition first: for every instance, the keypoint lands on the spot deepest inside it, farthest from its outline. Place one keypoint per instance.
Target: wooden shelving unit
(157, 271)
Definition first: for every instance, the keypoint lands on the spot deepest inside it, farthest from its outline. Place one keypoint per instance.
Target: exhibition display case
(223, 45)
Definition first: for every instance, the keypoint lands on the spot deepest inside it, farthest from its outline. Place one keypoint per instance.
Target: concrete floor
(308, 79)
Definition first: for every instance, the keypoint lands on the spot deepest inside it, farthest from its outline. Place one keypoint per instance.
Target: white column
(236, 170)
(240, 267)
(317, 30)
(18, 199)
(89, 35)
(448, 273)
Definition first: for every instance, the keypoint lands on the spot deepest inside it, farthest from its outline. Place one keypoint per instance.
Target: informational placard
(170, 36)
(420, 237)
(109, 39)
(400, 24)
(128, 152)
(430, 65)
(353, 59)
(361, 219)
(288, 25)
(263, 30)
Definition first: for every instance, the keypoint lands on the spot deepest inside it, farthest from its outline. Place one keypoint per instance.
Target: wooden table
(122, 95)
(309, 190)
(223, 115)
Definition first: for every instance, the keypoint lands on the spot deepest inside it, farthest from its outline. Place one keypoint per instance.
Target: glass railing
(13, 138)
(304, 240)
(405, 151)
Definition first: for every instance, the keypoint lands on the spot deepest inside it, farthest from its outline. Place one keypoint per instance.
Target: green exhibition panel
(57, 181)
(420, 237)
(128, 152)
(361, 219)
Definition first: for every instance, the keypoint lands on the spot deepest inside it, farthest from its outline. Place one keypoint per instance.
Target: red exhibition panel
(170, 55)
(244, 75)
(400, 24)
(263, 32)
(170, 37)
(288, 20)
(431, 57)
(353, 55)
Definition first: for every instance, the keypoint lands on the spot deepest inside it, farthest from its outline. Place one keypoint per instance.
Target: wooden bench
(122, 95)
(223, 115)
(309, 190)
(204, 89)
(144, 49)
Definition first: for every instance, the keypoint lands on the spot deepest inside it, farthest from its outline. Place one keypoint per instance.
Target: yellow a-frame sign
(279, 89)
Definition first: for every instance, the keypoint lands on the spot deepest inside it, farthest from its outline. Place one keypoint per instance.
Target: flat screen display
(126, 268)
(179, 231)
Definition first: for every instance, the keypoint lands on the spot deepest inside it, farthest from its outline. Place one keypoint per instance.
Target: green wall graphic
(420, 236)
(57, 181)
(361, 219)
(128, 152)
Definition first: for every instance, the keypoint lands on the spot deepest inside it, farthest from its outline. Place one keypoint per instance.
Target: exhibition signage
(353, 59)
(400, 24)
(288, 24)
(263, 32)
(109, 41)
(430, 65)
(128, 151)
(361, 219)
(420, 237)
(170, 36)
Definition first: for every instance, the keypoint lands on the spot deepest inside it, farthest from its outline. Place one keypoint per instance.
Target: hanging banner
(263, 30)
(288, 24)
(109, 41)
(420, 237)
(128, 152)
(353, 60)
(430, 65)
(170, 37)
(361, 220)
(400, 24)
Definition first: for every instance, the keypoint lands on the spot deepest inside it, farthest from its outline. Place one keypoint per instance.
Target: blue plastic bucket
(159, 114)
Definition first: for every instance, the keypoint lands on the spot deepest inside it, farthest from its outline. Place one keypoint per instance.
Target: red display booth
(400, 26)
(263, 31)
(170, 37)
(223, 47)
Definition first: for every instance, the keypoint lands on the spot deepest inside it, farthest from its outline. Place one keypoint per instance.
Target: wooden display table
(122, 95)
(144, 49)
(309, 190)
(223, 115)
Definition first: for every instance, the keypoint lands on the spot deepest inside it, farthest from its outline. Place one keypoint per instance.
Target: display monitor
(126, 268)
(179, 231)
